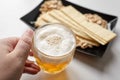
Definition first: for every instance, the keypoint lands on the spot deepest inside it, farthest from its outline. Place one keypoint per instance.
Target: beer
(54, 47)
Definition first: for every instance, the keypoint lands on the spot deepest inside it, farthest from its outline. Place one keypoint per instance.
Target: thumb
(23, 46)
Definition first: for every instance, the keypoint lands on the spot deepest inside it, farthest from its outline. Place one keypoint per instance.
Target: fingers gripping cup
(54, 47)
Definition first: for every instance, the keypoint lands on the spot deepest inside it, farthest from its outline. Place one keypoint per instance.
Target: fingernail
(30, 31)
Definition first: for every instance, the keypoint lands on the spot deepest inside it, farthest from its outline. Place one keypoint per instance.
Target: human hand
(13, 57)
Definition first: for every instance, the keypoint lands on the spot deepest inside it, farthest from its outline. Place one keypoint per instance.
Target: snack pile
(90, 29)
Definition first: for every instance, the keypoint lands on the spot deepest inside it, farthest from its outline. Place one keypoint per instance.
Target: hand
(13, 57)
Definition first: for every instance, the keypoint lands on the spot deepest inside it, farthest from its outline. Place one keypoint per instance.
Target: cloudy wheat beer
(54, 47)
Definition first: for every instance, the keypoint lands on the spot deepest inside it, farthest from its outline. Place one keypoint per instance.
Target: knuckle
(27, 40)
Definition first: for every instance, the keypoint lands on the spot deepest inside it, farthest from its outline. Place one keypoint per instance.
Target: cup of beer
(54, 46)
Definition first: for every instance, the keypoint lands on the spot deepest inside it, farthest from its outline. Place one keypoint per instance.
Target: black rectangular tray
(31, 17)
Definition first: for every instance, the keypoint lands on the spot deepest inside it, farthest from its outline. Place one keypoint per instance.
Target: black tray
(31, 17)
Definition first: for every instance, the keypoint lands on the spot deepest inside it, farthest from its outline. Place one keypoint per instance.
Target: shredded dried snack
(49, 5)
(96, 19)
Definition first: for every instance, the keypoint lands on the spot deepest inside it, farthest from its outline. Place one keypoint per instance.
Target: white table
(82, 67)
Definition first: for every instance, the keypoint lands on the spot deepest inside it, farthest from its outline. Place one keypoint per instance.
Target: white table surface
(82, 67)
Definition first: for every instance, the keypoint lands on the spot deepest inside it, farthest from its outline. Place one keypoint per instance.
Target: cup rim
(37, 50)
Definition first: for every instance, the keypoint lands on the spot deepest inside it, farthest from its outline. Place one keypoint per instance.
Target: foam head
(54, 40)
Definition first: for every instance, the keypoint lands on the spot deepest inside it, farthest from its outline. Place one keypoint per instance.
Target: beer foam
(54, 40)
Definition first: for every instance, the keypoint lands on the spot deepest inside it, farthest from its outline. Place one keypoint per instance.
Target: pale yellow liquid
(51, 67)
